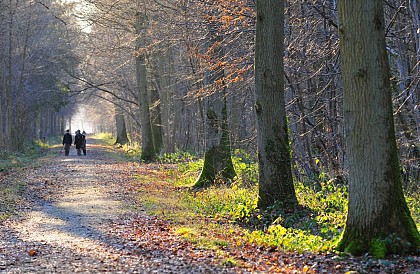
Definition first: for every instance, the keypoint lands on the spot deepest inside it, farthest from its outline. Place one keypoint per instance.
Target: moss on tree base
(395, 232)
(218, 166)
(380, 246)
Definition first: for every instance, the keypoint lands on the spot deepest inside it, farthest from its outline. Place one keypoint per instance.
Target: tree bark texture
(148, 151)
(2, 86)
(9, 83)
(275, 176)
(166, 69)
(120, 126)
(155, 104)
(218, 166)
(378, 219)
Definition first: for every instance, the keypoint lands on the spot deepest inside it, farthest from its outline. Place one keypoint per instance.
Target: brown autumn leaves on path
(80, 214)
(76, 219)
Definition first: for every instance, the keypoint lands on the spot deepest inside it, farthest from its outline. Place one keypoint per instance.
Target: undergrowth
(10, 191)
(31, 151)
(107, 138)
(133, 150)
(231, 210)
(9, 197)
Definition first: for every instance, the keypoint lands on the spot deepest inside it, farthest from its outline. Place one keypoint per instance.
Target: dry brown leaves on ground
(81, 214)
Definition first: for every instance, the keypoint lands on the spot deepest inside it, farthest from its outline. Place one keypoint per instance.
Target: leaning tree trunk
(275, 175)
(120, 126)
(148, 151)
(378, 220)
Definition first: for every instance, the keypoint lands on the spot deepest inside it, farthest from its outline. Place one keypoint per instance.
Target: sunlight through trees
(214, 78)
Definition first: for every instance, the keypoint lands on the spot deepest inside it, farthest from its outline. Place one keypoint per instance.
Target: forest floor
(80, 214)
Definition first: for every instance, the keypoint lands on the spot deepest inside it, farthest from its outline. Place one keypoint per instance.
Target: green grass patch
(105, 137)
(229, 262)
(224, 215)
(230, 202)
(132, 151)
(9, 196)
(32, 151)
(11, 190)
(413, 202)
(177, 157)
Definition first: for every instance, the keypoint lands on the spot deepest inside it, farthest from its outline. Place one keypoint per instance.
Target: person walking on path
(67, 140)
(84, 142)
(78, 141)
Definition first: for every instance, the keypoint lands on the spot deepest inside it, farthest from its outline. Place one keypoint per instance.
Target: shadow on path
(77, 201)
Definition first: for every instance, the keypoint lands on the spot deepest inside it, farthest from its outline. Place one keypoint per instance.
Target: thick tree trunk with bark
(218, 166)
(378, 219)
(122, 137)
(275, 175)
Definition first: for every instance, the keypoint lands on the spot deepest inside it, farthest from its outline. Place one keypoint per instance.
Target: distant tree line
(34, 54)
(177, 71)
(48, 57)
(197, 59)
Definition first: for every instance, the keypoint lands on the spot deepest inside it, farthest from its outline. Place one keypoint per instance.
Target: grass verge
(226, 215)
(10, 189)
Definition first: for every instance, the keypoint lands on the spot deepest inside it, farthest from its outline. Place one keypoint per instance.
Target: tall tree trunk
(155, 103)
(275, 175)
(20, 128)
(122, 137)
(8, 91)
(2, 87)
(166, 67)
(69, 122)
(148, 151)
(378, 220)
(2, 76)
(218, 166)
(62, 124)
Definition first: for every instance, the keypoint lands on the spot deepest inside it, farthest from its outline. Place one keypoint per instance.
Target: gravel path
(79, 215)
(76, 219)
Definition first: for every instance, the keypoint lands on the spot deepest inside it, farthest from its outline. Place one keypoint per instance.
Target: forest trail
(77, 219)
(80, 215)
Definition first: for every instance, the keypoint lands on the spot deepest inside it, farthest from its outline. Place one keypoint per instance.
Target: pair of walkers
(79, 142)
